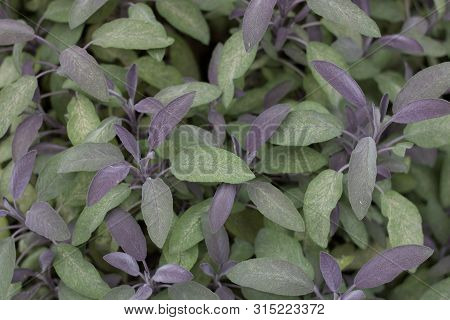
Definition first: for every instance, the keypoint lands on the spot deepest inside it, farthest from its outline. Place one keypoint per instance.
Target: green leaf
(8, 262)
(82, 119)
(272, 276)
(275, 206)
(210, 164)
(405, 223)
(185, 16)
(321, 197)
(433, 133)
(234, 63)
(58, 11)
(89, 157)
(355, 228)
(281, 159)
(131, 34)
(14, 99)
(123, 292)
(362, 176)
(204, 93)
(438, 291)
(157, 210)
(104, 132)
(157, 73)
(78, 274)
(82, 10)
(8, 72)
(141, 11)
(91, 217)
(390, 82)
(304, 127)
(191, 291)
(65, 293)
(186, 259)
(445, 182)
(274, 244)
(323, 52)
(347, 13)
(187, 231)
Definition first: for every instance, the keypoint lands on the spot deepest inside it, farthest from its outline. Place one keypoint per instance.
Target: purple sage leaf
(401, 42)
(221, 206)
(21, 174)
(46, 259)
(225, 293)
(14, 31)
(123, 261)
(217, 243)
(46, 222)
(354, 295)
(132, 80)
(256, 21)
(149, 105)
(421, 110)
(330, 271)
(128, 141)
(143, 293)
(25, 134)
(172, 273)
(277, 93)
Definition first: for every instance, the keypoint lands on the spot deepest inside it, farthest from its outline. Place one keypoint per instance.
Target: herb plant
(224, 149)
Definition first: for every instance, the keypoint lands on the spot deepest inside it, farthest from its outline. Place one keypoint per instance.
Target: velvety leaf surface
(81, 10)
(14, 31)
(45, 221)
(256, 20)
(8, 262)
(191, 291)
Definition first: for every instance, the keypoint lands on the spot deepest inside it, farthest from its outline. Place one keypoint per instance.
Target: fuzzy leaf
(221, 206)
(8, 262)
(330, 271)
(45, 221)
(421, 110)
(191, 291)
(82, 119)
(123, 262)
(172, 273)
(14, 31)
(21, 174)
(256, 21)
(25, 134)
(81, 11)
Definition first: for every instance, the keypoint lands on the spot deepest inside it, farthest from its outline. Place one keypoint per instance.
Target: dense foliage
(224, 149)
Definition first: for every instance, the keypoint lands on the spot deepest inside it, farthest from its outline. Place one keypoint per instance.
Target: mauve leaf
(275, 205)
(217, 243)
(330, 271)
(401, 42)
(219, 125)
(256, 21)
(127, 233)
(421, 110)
(129, 141)
(14, 31)
(277, 93)
(81, 11)
(8, 262)
(123, 261)
(384, 104)
(272, 276)
(225, 293)
(89, 157)
(21, 174)
(25, 134)
(45, 221)
(221, 206)
(149, 105)
(83, 69)
(362, 176)
(172, 273)
(213, 68)
(157, 210)
(429, 83)
(143, 293)
(340, 80)
(167, 119)
(354, 295)
(132, 81)
(263, 127)
(387, 265)
(46, 259)
(106, 179)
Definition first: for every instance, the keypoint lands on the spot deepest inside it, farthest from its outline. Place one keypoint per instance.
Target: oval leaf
(45, 221)
(123, 262)
(330, 271)
(221, 206)
(14, 31)
(21, 174)
(25, 134)
(421, 110)
(256, 20)
(172, 273)
(81, 10)
(191, 291)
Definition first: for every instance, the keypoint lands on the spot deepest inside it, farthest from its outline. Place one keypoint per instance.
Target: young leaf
(83, 69)
(78, 274)
(346, 13)
(221, 206)
(275, 206)
(401, 42)
(45, 221)
(127, 233)
(143, 293)
(106, 179)
(25, 134)
(321, 197)
(330, 271)
(405, 222)
(81, 11)
(185, 16)
(82, 119)
(256, 21)
(387, 265)
(8, 262)
(172, 273)
(209, 164)
(340, 80)
(263, 127)
(104, 132)
(234, 63)
(191, 291)
(89, 157)
(430, 83)
(132, 81)
(421, 110)
(123, 261)
(362, 176)
(149, 105)
(128, 141)
(272, 276)
(168, 118)
(132, 34)
(157, 210)
(14, 31)
(218, 243)
(91, 217)
(21, 174)
(354, 295)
